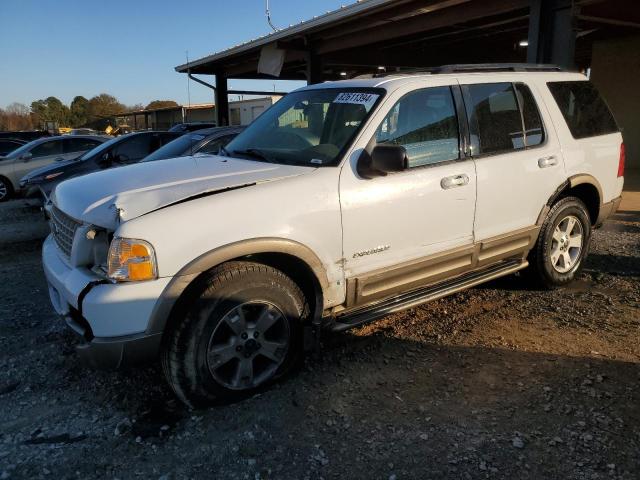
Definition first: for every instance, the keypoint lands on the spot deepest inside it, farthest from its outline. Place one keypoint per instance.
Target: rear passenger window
(583, 108)
(495, 116)
(534, 131)
(424, 122)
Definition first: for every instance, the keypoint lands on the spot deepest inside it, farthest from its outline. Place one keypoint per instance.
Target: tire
(562, 246)
(241, 332)
(6, 189)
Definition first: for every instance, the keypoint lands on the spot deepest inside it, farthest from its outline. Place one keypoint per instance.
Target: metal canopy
(394, 34)
(389, 35)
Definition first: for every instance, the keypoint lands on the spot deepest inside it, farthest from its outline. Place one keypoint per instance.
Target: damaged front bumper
(111, 318)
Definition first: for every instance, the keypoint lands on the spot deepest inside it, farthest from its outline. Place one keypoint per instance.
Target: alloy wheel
(567, 243)
(248, 345)
(4, 190)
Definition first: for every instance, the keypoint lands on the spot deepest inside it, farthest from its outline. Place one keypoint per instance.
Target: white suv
(343, 202)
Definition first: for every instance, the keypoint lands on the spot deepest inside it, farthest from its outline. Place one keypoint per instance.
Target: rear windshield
(584, 110)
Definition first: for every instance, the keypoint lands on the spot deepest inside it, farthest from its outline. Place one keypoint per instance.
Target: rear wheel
(242, 332)
(6, 190)
(562, 245)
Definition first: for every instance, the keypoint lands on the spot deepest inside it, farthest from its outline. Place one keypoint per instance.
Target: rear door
(517, 155)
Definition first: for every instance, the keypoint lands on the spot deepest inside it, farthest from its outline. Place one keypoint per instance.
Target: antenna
(268, 13)
(188, 79)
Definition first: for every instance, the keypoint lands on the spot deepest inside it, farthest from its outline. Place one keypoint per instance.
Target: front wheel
(6, 189)
(562, 244)
(242, 332)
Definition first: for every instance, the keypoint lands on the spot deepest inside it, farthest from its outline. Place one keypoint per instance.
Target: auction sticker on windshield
(357, 98)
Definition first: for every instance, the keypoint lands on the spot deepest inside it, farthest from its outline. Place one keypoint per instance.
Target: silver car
(39, 153)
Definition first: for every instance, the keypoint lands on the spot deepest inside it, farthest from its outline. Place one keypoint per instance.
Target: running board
(381, 309)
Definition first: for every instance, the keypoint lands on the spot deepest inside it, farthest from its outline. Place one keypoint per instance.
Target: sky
(129, 48)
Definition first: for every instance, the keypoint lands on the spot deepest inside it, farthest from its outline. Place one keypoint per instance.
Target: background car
(84, 131)
(191, 127)
(8, 145)
(40, 153)
(119, 151)
(27, 135)
(208, 140)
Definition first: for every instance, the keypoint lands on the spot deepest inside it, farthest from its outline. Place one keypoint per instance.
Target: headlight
(131, 260)
(39, 179)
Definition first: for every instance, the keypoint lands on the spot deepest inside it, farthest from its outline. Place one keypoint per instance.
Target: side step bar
(417, 297)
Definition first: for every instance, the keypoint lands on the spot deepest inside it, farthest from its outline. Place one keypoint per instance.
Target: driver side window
(132, 150)
(424, 122)
(47, 148)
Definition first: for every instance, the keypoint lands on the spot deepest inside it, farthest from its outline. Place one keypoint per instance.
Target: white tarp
(271, 60)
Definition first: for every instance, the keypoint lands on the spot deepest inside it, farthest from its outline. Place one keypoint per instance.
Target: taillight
(621, 161)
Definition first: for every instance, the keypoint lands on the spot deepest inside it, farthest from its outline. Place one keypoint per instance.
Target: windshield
(309, 127)
(99, 149)
(176, 148)
(23, 149)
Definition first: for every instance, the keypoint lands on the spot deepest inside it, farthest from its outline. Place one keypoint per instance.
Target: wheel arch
(293, 258)
(583, 186)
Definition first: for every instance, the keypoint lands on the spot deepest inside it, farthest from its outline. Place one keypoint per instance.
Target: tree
(51, 109)
(105, 105)
(79, 111)
(161, 104)
(16, 116)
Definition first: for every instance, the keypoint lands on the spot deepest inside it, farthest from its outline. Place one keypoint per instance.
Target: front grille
(64, 229)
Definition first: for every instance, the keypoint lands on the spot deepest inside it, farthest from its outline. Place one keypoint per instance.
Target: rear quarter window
(582, 107)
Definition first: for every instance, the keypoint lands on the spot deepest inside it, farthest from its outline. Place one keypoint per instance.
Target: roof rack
(498, 67)
(478, 67)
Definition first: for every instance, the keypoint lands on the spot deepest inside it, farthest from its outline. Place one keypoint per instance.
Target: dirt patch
(497, 382)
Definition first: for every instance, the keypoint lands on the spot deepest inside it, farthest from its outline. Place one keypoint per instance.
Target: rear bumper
(608, 209)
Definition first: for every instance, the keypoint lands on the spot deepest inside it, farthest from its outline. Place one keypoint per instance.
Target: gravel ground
(496, 382)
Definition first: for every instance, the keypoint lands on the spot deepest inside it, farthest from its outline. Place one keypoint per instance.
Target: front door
(394, 225)
(41, 155)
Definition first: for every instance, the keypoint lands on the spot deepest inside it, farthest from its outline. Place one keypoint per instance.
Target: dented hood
(112, 196)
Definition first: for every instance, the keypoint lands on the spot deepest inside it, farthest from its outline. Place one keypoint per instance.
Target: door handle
(549, 161)
(454, 181)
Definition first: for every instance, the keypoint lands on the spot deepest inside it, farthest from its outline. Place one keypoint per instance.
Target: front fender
(179, 283)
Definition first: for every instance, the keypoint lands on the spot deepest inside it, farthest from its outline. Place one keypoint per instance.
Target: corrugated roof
(305, 26)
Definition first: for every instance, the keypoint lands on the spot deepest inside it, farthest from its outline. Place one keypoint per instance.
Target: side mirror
(105, 160)
(383, 159)
(26, 156)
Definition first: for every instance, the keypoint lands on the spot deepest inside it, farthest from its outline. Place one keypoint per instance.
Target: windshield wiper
(224, 151)
(255, 153)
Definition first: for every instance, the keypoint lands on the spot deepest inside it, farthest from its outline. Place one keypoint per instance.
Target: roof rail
(497, 67)
(478, 67)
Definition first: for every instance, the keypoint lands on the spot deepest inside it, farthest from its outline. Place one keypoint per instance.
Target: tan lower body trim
(386, 282)
(608, 209)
